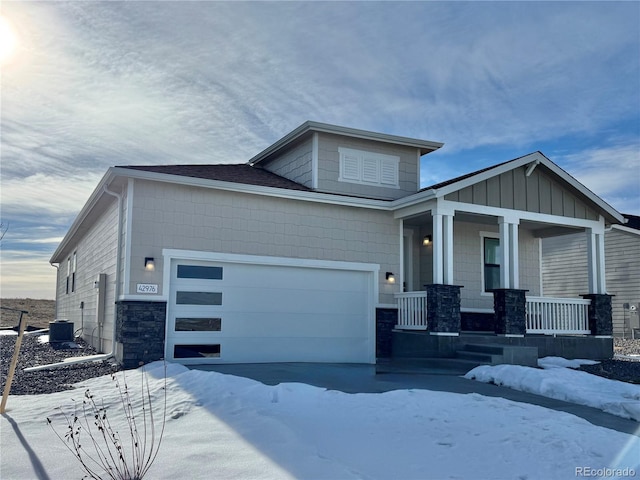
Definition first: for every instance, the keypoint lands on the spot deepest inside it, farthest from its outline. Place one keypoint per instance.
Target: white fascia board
(494, 172)
(514, 216)
(539, 158)
(302, 195)
(415, 208)
(170, 253)
(425, 146)
(314, 161)
(97, 193)
(622, 228)
(143, 298)
(582, 189)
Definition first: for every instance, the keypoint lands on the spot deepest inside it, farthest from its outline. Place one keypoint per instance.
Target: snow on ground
(222, 426)
(559, 362)
(559, 381)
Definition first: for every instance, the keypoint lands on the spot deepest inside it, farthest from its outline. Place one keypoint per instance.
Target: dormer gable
(346, 161)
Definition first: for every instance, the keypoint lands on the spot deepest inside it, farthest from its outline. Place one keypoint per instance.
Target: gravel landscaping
(34, 353)
(624, 367)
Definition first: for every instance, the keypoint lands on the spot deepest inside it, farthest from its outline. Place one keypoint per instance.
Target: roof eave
(613, 214)
(425, 146)
(97, 193)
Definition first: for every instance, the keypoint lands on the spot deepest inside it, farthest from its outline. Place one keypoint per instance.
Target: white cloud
(97, 84)
(612, 172)
(26, 274)
(46, 195)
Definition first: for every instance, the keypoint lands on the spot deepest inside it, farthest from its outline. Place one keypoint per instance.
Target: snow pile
(221, 426)
(611, 396)
(559, 362)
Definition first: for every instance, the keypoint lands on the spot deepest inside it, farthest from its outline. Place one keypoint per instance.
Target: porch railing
(412, 310)
(557, 315)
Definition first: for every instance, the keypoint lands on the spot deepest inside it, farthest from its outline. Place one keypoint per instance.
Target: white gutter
(101, 356)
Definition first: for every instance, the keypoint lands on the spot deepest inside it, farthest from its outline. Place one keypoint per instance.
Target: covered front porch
(543, 315)
(471, 271)
(471, 256)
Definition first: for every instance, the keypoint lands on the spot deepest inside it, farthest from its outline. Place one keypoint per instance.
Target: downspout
(57, 267)
(102, 356)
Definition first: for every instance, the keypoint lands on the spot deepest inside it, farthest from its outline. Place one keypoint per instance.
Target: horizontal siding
(96, 253)
(564, 271)
(623, 276)
(180, 217)
(329, 167)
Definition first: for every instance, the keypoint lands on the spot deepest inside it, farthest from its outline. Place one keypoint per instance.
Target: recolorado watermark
(605, 472)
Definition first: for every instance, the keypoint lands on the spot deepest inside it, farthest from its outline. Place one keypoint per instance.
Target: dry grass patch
(41, 312)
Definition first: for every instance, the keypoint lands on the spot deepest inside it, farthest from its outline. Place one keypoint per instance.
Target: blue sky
(96, 84)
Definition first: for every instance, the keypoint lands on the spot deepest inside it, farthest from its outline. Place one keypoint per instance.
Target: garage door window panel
(198, 298)
(196, 351)
(200, 272)
(198, 324)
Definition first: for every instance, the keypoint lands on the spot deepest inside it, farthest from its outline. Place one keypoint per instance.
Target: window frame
(74, 265)
(483, 265)
(68, 275)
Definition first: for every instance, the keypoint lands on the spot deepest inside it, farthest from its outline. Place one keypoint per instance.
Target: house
(323, 247)
(564, 271)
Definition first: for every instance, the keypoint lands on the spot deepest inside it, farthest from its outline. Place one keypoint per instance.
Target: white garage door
(241, 312)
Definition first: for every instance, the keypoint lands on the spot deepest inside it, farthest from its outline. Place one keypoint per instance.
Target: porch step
(481, 358)
(496, 354)
(426, 366)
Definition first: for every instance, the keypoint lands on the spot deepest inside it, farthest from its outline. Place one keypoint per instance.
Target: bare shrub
(118, 456)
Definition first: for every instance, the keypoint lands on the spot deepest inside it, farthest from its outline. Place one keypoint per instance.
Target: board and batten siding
(537, 193)
(564, 270)
(181, 217)
(96, 253)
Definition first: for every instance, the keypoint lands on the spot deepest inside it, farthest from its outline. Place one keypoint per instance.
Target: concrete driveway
(358, 378)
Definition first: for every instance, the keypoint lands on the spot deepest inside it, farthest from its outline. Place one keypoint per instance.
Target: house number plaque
(147, 288)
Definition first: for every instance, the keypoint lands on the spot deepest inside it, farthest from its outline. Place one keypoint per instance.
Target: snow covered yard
(222, 426)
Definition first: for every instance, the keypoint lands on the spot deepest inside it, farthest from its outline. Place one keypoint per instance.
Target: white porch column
(447, 223)
(509, 264)
(442, 248)
(438, 249)
(596, 265)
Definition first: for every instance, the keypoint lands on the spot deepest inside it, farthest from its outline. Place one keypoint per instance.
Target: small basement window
(368, 168)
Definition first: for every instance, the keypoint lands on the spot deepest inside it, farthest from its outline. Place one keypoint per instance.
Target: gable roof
(465, 176)
(234, 173)
(530, 161)
(309, 127)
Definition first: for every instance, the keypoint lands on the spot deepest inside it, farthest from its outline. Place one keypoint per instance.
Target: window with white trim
(73, 272)
(491, 263)
(368, 168)
(68, 274)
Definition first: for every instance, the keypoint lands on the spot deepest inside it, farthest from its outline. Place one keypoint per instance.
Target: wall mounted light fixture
(149, 264)
(426, 241)
(391, 278)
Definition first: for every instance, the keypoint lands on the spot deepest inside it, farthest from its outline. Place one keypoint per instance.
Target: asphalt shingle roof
(236, 173)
